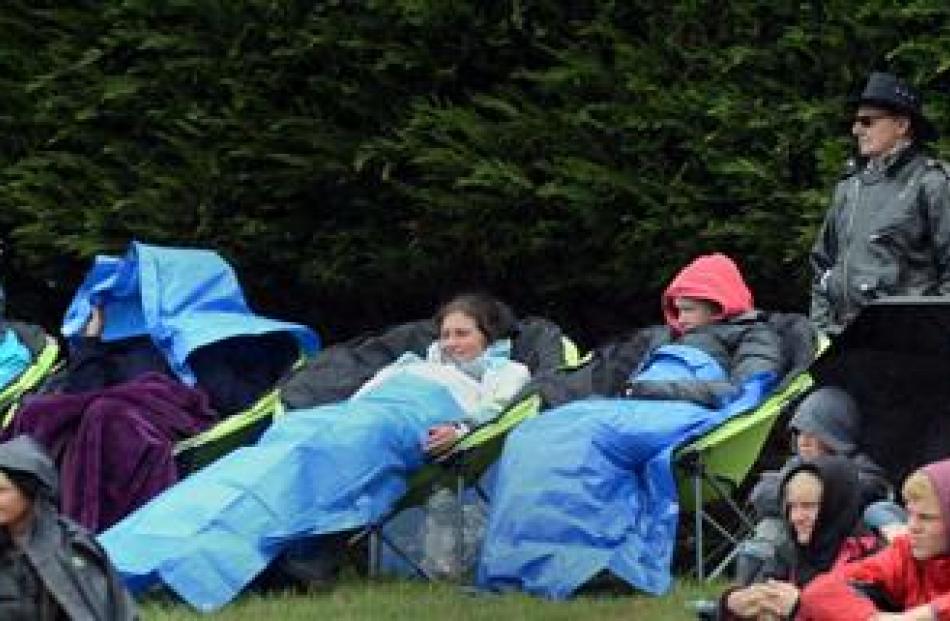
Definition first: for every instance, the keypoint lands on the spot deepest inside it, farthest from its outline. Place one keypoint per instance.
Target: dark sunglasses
(867, 120)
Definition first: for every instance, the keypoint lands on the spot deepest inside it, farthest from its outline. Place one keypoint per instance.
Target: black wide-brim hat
(886, 90)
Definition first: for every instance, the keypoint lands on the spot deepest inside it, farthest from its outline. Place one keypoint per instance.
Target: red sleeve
(830, 597)
(887, 569)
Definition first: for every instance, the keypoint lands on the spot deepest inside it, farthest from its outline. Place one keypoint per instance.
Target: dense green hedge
(569, 155)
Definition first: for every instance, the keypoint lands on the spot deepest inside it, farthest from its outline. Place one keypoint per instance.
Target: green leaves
(561, 153)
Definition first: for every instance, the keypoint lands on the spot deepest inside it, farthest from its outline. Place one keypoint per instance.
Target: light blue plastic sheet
(588, 486)
(321, 470)
(14, 357)
(183, 298)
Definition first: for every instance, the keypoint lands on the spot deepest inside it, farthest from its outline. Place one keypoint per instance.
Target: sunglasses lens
(865, 120)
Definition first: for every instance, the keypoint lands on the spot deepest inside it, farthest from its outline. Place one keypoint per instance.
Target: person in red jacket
(913, 572)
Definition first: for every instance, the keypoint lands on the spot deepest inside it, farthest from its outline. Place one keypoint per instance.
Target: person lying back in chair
(708, 306)
(319, 472)
(610, 495)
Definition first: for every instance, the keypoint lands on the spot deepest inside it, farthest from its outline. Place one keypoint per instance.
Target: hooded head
(831, 415)
(25, 462)
(714, 278)
(838, 515)
(27, 487)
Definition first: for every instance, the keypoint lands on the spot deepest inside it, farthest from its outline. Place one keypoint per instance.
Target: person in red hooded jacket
(709, 306)
(912, 575)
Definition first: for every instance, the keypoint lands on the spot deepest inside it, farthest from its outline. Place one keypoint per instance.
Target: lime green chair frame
(711, 468)
(44, 364)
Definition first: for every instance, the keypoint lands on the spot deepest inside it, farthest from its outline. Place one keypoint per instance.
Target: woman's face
(460, 338)
(802, 502)
(15, 506)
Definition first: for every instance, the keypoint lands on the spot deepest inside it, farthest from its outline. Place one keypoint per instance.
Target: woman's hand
(441, 438)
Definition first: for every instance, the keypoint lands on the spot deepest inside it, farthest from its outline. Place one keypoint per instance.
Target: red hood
(712, 277)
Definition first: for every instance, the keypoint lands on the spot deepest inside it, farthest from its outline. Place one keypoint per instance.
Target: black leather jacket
(887, 233)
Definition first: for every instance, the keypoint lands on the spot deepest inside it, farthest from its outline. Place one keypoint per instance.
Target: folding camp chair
(711, 468)
(44, 353)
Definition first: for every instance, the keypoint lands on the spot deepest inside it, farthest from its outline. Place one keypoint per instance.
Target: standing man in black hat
(888, 230)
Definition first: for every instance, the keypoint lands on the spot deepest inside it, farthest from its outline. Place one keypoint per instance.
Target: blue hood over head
(183, 298)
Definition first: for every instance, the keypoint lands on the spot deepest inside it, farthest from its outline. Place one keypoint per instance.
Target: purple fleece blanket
(113, 447)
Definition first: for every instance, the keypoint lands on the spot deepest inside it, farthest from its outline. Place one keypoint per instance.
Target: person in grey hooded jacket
(826, 422)
(50, 568)
(887, 232)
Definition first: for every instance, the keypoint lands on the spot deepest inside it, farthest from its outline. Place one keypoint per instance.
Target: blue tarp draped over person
(163, 344)
(320, 470)
(183, 299)
(608, 500)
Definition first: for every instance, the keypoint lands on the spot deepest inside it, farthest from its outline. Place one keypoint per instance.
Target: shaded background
(360, 161)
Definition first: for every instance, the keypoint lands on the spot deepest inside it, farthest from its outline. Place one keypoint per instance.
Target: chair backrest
(339, 371)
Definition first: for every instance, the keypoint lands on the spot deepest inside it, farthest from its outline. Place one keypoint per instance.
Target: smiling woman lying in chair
(319, 471)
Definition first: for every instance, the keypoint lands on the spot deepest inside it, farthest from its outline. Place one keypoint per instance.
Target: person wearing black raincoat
(50, 568)
(887, 232)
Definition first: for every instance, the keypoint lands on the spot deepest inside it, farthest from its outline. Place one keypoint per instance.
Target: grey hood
(24, 455)
(831, 414)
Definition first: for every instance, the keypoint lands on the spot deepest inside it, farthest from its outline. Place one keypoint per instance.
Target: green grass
(358, 599)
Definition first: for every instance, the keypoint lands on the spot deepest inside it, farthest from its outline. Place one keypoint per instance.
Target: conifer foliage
(569, 155)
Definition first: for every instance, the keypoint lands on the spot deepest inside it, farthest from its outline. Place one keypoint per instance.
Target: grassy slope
(415, 601)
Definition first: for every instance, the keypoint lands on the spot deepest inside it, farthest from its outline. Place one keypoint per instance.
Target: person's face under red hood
(713, 277)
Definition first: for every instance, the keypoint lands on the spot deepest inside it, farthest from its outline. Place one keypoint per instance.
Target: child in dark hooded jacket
(821, 510)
